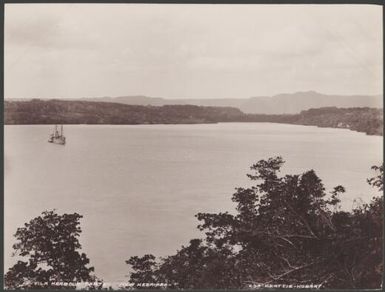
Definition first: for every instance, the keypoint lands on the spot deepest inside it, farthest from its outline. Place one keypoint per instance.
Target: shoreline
(175, 124)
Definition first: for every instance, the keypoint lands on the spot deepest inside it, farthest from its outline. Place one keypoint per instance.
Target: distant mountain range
(278, 104)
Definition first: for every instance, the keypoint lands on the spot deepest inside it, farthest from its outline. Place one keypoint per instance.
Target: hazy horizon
(191, 51)
(189, 98)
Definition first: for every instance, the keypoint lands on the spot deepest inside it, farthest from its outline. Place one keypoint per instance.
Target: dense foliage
(84, 112)
(367, 120)
(49, 248)
(287, 230)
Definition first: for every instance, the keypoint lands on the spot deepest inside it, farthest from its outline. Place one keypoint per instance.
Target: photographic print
(193, 146)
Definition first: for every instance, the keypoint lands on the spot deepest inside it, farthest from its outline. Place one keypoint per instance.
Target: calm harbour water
(139, 187)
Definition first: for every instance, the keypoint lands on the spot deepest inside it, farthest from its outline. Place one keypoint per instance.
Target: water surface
(139, 187)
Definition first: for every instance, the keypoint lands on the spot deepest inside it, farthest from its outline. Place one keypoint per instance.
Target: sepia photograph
(193, 146)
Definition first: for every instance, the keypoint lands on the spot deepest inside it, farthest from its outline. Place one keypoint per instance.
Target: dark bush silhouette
(49, 247)
(287, 230)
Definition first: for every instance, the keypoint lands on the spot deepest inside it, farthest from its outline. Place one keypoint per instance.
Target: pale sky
(191, 51)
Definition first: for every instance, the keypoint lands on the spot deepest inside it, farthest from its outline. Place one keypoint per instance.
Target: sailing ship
(56, 137)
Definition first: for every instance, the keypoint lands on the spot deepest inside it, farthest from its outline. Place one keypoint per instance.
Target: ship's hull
(60, 141)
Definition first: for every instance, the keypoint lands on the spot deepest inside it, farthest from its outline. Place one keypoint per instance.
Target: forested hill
(360, 119)
(367, 120)
(86, 112)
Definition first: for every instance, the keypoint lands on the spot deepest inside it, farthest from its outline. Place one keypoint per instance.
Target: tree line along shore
(54, 111)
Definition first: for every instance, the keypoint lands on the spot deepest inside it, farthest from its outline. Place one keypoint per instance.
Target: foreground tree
(49, 248)
(378, 180)
(287, 230)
